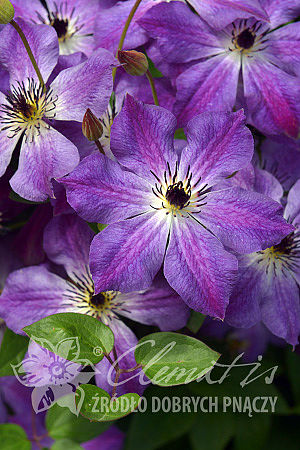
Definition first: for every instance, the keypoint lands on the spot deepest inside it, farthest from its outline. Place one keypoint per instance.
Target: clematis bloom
(165, 209)
(27, 110)
(267, 289)
(257, 54)
(39, 291)
(73, 21)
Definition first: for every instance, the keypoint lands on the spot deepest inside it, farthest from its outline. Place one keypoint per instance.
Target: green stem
(124, 32)
(28, 49)
(153, 89)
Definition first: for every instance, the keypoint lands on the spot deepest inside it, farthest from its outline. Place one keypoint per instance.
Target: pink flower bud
(91, 126)
(135, 63)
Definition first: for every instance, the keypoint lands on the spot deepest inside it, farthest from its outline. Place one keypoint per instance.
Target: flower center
(102, 303)
(98, 299)
(248, 36)
(177, 196)
(25, 109)
(285, 255)
(245, 39)
(183, 197)
(60, 26)
(286, 247)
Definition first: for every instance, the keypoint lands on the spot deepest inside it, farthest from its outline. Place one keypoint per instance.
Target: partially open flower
(91, 126)
(135, 63)
(7, 12)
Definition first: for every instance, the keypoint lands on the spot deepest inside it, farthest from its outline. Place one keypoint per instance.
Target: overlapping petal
(14, 58)
(282, 159)
(210, 85)
(272, 97)
(198, 267)
(127, 255)
(281, 12)
(219, 13)
(218, 145)
(292, 209)
(149, 132)
(250, 289)
(181, 35)
(101, 191)
(7, 143)
(50, 155)
(244, 221)
(86, 85)
(67, 241)
(110, 23)
(283, 48)
(280, 308)
(158, 305)
(31, 294)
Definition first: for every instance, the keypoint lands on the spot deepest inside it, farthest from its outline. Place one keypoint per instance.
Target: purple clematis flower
(73, 21)
(110, 23)
(282, 159)
(162, 207)
(265, 56)
(38, 291)
(251, 342)
(111, 439)
(27, 110)
(267, 288)
(219, 13)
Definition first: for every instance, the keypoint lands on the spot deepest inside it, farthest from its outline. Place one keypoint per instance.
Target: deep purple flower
(27, 110)
(266, 57)
(282, 159)
(139, 88)
(110, 22)
(111, 439)
(255, 179)
(162, 207)
(219, 13)
(73, 21)
(248, 342)
(36, 292)
(267, 288)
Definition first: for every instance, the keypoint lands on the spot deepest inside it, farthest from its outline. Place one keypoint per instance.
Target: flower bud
(7, 12)
(135, 63)
(91, 126)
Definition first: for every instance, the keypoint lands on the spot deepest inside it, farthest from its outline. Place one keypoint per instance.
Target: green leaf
(93, 226)
(92, 336)
(66, 444)
(212, 431)
(170, 359)
(252, 433)
(12, 351)
(101, 226)
(155, 427)
(13, 437)
(195, 321)
(179, 134)
(284, 434)
(152, 69)
(293, 364)
(99, 406)
(62, 424)
(229, 383)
